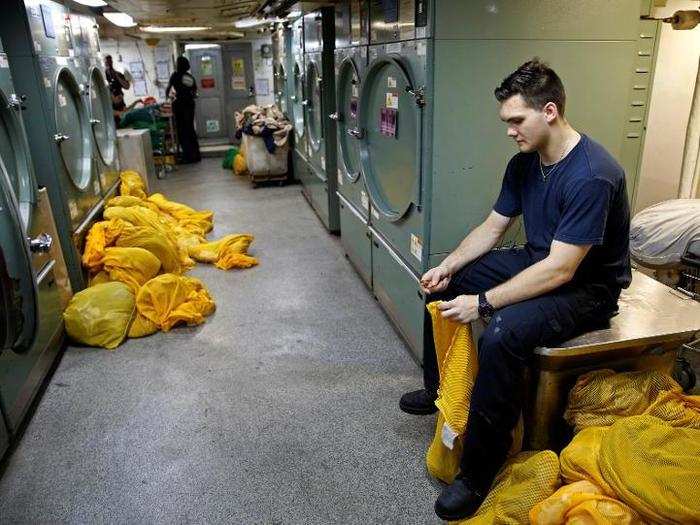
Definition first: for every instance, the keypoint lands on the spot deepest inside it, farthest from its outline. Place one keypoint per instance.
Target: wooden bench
(653, 322)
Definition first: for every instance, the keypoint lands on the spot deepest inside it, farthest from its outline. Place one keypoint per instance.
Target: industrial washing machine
(39, 44)
(280, 66)
(350, 66)
(297, 98)
(86, 45)
(320, 185)
(433, 149)
(34, 287)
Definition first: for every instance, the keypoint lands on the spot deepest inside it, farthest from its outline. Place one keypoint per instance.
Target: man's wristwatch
(485, 308)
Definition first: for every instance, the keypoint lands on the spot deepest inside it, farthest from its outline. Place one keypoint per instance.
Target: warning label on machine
(364, 199)
(416, 247)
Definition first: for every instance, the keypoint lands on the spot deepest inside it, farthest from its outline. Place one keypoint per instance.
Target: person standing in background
(185, 87)
(117, 84)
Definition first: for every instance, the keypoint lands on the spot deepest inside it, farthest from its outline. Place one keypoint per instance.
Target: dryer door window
(72, 130)
(103, 127)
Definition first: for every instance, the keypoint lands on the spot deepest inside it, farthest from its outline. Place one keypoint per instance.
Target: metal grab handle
(41, 244)
(356, 133)
(293, 98)
(334, 116)
(304, 102)
(14, 102)
(60, 137)
(418, 94)
(95, 121)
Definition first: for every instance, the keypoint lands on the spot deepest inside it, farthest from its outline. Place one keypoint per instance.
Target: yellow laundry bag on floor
(132, 184)
(141, 327)
(131, 266)
(677, 409)
(159, 244)
(458, 365)
(169, 299)
(200, 222)
(226, 253)
(601, 397)
(101, 235)
(100, 315)
(525, 480)
(240, 166)
(582, 503)
(579, 460)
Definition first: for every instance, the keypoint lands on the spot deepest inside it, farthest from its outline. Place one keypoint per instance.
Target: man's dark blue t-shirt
(582, 201)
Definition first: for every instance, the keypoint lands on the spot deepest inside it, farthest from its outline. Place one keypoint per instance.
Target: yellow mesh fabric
(155, 242)
(169, 299)
(240, 166)
(601, 397)
(141, 327)
(101, 235)
(200, 222)
(654, 468)
(677, 409)
(226, 253)
(100, 315)
(458, 365)
(132, 184)
(131, 266)
(581, 503)
(525, 480)
(579, 460)
(127, 201)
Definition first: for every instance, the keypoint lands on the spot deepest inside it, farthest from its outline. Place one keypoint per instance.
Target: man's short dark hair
(537, 83)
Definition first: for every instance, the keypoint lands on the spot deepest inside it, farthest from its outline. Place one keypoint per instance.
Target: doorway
(239, 83)
(210, 121)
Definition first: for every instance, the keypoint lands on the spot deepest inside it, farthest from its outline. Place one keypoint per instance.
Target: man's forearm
(479, 241)
(536, 280)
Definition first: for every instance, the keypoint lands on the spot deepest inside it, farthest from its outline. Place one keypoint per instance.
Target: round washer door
(314, 120)
(298, 100)
(348, 113)
(15, 155)
(72, 130)
(18, 294)
(390, 148)
(104, 130)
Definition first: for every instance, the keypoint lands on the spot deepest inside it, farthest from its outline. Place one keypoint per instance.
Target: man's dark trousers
(508, 342)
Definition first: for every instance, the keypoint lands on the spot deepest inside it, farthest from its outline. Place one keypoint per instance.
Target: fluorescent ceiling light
(91, 3)
(119, 19)
(173, 29)
(294, 14)
(249, 22)
(201, 46)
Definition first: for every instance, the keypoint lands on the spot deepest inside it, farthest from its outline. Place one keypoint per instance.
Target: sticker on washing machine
(340, 177)
(212, 126)
(96, 186)
(421, 49)
(37, 46)
(62, 100)
(364, 199)
(375, 214)
(71, 53)
(47, 82)
(416, 247)
(62, 61)
(355, 90)
(420, 32)
(73, 209)
(392, 100)
(391, 82)
(323, 163)
(393, 48)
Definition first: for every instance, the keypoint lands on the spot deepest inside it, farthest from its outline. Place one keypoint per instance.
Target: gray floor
(281, 408)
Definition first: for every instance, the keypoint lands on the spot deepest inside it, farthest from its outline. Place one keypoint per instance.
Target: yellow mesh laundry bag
(131, 266)
(601, 397)
(677, 409)
(240, 166)
(458, 365)
(226, 253)
(169, 299)
(579, 460)
(100, 315)
(141, 327)
(101, 235)
(523, 482)
(195, 221)
(132, 184)
(127, 201)
(100, 277)
(582, 502)
(156, 242)
(654, 468)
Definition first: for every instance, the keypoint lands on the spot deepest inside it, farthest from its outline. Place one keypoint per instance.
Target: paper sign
(136, 70)
(212, 126)
(340, 177)
(206, 66)
(238, 74)
(162, 69)
(392, 101)
(140, 88)
(391, 82)
(62, 100)
(3, 60)
(416, 247)
(208, 83)
(364, 199)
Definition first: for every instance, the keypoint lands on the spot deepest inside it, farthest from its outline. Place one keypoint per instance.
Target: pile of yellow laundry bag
(136, 259)
(634, 458)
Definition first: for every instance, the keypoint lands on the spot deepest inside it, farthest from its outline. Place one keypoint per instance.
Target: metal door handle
(95, 121)
(14, 102)
(60, 137)
(293, 98)
(418, 94)
(334, 116)
(304, 102)
(41, 244)
(356, 133)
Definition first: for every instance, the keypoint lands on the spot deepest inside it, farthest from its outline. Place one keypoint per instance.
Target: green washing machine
(31, 324)
(352, 23)
(280, 66)
(432, 147)
(295, 80)
(38, 42)
(320, 185)
(86, 45)
(350, 65)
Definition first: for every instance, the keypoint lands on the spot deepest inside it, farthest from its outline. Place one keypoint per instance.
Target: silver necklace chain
(554, 166)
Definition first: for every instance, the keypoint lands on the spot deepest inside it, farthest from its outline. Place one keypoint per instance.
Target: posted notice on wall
(237, 74)
(140, 88)
(262, 87)
(136, 70)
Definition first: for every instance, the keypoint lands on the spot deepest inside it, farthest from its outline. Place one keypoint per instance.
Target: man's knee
(500, 341)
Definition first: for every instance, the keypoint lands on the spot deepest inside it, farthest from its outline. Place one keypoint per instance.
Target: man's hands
(462, 309)
(435, 280)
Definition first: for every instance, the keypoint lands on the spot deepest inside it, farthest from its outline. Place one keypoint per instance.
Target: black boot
(484, 452)
(419, 402)
(457, 501)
